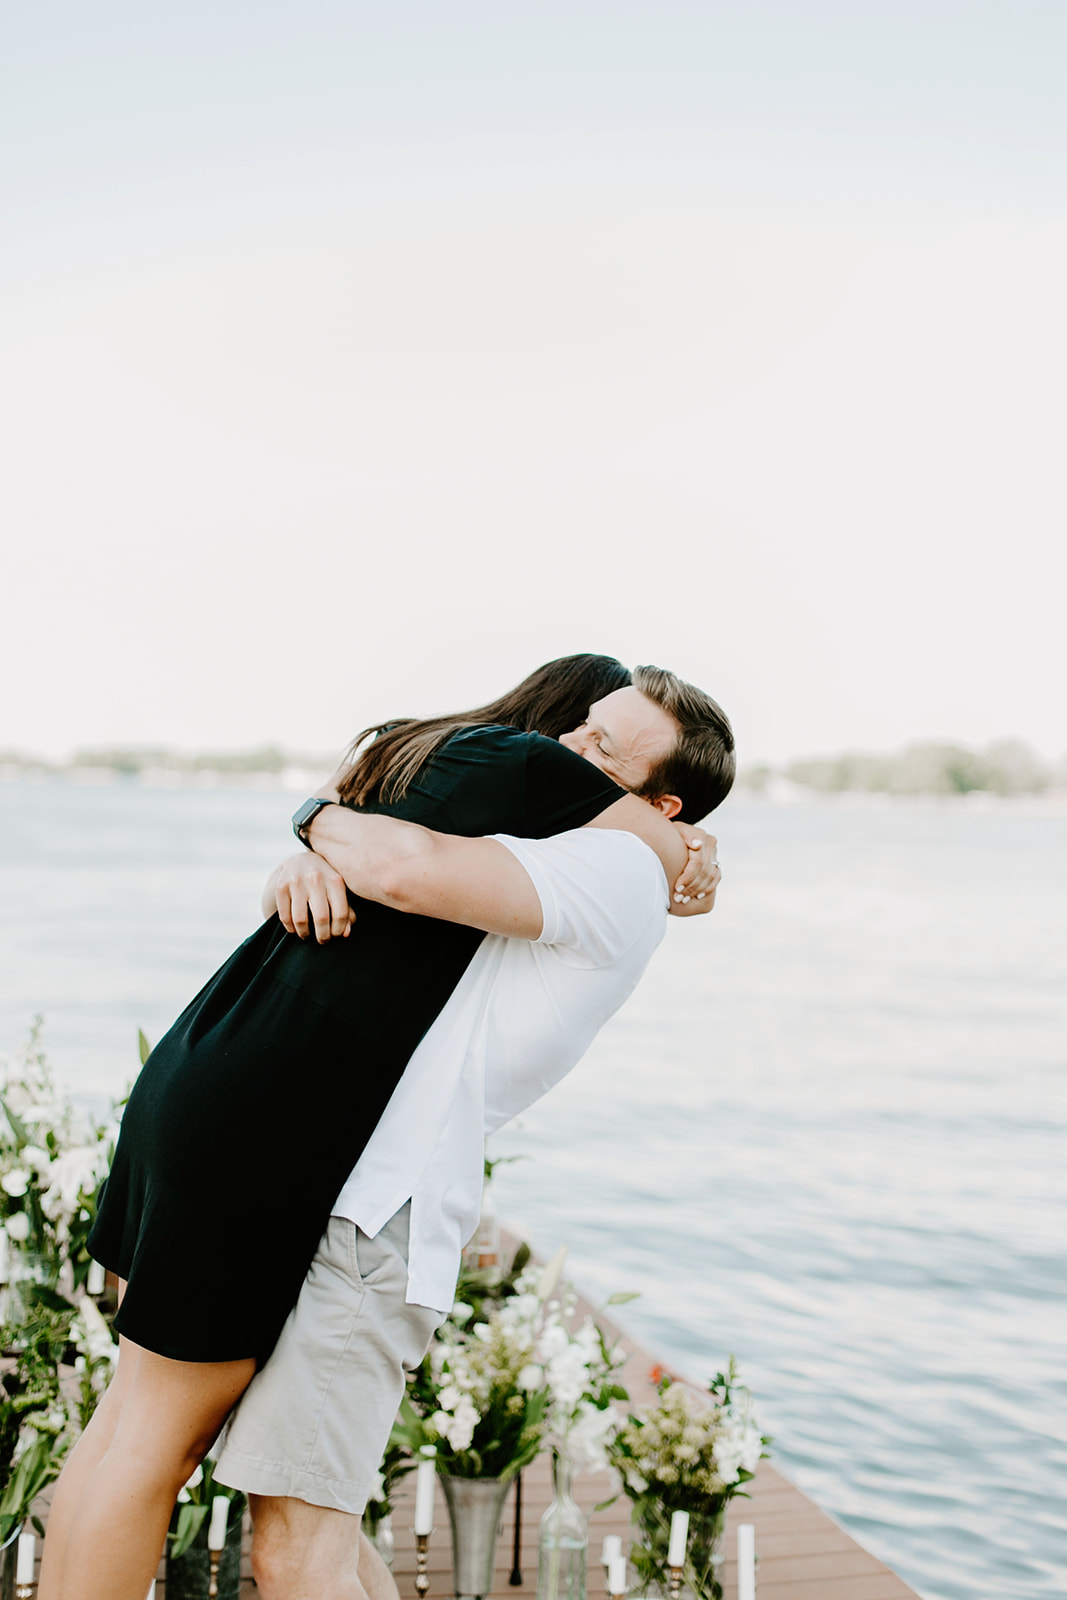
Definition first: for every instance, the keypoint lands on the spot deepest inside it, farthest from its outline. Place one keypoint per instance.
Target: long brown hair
(551, 701)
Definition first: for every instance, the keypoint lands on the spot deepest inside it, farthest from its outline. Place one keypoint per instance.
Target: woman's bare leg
(169, 1417)
(79, 1468)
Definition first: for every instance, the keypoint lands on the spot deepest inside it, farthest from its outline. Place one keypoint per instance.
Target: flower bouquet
(52, 1162)
(689, 1452)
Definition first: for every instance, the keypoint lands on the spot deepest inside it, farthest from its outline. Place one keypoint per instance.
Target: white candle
(220, 1511)
(27, 1554)
(617, 1575)
(679, 1539)
(746, 1561)
(425, 1477)
(94, 1283)
(611, 1550)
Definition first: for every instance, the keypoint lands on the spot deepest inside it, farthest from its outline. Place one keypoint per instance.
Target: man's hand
(694, 892)
(310, 898)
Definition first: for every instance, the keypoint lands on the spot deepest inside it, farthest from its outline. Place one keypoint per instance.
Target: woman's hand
(695, 889)
(311, 898)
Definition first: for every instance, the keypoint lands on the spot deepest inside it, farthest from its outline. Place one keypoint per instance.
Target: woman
(209, 1127)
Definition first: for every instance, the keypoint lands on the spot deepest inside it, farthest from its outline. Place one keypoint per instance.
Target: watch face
(309, 809)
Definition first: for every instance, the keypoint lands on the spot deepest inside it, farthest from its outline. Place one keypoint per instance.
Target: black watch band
(305, 815)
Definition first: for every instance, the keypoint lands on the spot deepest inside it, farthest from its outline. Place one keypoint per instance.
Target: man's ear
(668, 804)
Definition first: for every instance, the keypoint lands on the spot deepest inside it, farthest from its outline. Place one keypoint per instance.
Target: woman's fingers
(283, 902)
(701, 875)
(298, 901)
(341, 917)
(312, 900)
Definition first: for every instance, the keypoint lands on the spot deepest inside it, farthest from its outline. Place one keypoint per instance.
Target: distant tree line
(1007, 767)
(132, 760)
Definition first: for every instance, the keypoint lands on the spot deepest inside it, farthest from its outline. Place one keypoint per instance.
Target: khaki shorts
(314, 1422)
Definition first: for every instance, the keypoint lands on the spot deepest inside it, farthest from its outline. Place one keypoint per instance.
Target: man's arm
(477, 882)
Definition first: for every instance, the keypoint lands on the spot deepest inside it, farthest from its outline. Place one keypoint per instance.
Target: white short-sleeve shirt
(521, 1017)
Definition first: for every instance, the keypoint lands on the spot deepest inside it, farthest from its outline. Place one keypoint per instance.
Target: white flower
(482, 1331)
(18, 1227)
(449, 1397)
(15, 1182)
(458, 1429)
(589, 1435)
(461, 1312)
(92, 1337)
(75, 1171)
(34, 1115)
(531, 1377)
(35, 1157)
(553, 1343)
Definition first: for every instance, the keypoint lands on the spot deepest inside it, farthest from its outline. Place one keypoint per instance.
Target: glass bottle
(564, 1539)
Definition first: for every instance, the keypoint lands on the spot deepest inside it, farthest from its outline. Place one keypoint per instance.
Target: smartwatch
(305, 815)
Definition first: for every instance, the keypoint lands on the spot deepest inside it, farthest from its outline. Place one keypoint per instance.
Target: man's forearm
(477, 882)
(375, 855)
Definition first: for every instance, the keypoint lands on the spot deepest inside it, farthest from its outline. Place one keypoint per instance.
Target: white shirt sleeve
(599, 889)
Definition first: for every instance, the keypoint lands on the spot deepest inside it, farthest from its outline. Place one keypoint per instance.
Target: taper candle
(617, 1575)
(611, 1549)
(746, 1561)
(220, 1511)
(679, 1539)
(26, 1557)
(425, 1477)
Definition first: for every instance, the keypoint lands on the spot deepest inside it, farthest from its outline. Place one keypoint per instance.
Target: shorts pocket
(339, 1248)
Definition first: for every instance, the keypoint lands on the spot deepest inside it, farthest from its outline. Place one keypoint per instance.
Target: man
(580, 915)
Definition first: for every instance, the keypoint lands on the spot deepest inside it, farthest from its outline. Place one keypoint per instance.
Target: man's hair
(699, 767)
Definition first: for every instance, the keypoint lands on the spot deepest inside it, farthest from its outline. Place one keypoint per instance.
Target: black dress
(253, 1109)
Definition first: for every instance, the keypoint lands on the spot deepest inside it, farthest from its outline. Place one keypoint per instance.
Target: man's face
(624, 735)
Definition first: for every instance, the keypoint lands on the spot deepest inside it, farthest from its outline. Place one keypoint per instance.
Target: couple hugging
(479, 893)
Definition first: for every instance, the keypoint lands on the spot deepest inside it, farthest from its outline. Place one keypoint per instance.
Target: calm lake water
(826, 1134)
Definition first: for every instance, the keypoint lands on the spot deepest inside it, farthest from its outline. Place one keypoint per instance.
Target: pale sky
(355, 359)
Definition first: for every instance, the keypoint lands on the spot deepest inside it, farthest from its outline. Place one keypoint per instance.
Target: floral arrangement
(689, 1452)
(507, 1374)
(479, 1396)
(52, 1161)
(581, 1374)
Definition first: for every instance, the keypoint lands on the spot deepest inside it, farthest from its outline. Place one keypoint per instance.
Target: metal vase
(475, 1510)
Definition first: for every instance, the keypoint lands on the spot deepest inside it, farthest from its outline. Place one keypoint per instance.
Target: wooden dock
(802, 1553)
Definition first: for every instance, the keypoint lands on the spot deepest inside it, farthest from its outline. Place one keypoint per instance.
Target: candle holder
(676, 1582)
(422, 1581)
(215, 1556)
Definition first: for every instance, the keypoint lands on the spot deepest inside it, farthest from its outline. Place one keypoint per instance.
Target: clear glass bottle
(383, 1541)
(563, 1543)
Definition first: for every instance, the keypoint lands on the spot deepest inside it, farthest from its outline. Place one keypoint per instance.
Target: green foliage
(1006, 767)
(34, 1420)
(52, 1160)
(194, 1508)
